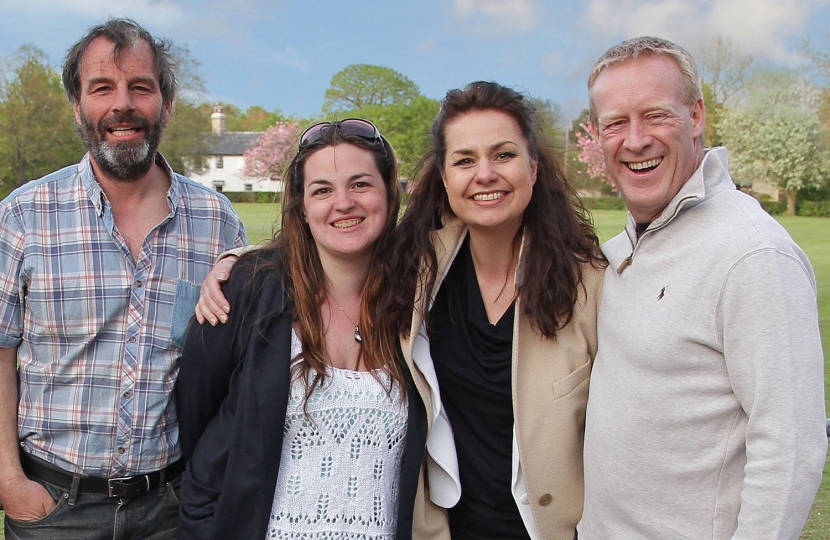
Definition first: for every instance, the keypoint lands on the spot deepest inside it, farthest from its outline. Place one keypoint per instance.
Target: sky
(282, 54)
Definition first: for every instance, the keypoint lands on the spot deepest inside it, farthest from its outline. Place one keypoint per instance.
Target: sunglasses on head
(353, 126)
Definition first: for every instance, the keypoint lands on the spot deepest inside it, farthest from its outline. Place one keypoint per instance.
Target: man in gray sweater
(706, 415)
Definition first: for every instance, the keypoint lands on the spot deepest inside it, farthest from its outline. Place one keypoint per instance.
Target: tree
(550, 119)
(819, 58)
(590, 153)
(360, 86)
(272, 151)
(576, 172)
(184, 144)
(36, 121)
(725, 69)
(191, 84)
(776, 136)
(820, 65)
(389, 100)
(406, 126)
(713, 111)
(256, 118)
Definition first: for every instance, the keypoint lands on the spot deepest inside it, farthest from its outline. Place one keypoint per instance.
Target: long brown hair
(558, 238)
(302, 272)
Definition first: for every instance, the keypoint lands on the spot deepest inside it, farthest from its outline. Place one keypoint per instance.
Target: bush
(803, 207)
(240, 196)
(603, 203)
(269, 197)
(813, 208)
(773, 208)
(253, 196)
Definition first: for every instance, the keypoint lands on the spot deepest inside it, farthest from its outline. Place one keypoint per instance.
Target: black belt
(128, 487)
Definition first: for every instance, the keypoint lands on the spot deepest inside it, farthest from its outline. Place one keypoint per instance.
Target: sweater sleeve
(768, 319)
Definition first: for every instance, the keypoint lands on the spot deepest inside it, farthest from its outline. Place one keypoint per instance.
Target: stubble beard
(125, 161)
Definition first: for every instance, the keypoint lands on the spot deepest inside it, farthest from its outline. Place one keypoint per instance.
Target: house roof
(231, 143)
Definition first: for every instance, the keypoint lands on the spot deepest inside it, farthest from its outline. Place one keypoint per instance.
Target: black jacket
(231, 399)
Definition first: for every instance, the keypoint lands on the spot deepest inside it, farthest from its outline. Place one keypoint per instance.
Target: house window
(249, 187)
(220, 162)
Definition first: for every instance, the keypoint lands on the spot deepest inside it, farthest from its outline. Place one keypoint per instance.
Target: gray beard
(125, 161)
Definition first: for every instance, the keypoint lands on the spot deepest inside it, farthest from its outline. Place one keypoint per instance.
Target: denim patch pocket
(184, 305)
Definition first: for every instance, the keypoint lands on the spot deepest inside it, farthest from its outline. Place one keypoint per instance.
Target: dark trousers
(151, 516)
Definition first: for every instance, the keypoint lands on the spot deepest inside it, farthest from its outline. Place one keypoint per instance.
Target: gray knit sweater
(706, 415)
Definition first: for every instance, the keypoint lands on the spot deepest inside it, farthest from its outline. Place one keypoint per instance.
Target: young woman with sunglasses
(298, 418)
(505, 274)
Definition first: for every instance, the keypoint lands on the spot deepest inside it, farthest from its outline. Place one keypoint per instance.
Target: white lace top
(339, 472)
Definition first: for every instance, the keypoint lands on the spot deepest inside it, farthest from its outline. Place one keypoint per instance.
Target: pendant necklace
(356, 325)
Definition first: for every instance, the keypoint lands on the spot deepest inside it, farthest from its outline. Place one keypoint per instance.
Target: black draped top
(472, 360)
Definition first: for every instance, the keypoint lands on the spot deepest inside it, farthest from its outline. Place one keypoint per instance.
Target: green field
(259, 220)
(812, 234)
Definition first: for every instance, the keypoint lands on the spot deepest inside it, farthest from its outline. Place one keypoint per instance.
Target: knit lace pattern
(340, 463)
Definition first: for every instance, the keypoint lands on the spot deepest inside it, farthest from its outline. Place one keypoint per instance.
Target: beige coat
(550, 391)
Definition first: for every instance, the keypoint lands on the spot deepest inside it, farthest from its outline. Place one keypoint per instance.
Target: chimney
(218, 121)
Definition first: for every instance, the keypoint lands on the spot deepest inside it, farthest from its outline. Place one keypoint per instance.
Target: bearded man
(100, 267)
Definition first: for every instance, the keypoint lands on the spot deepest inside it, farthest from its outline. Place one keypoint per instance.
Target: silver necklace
(356, 325)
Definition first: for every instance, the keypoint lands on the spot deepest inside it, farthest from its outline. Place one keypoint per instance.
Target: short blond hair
(632, 48)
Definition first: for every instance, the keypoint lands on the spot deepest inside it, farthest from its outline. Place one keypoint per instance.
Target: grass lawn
(812, 234)
(259, 219)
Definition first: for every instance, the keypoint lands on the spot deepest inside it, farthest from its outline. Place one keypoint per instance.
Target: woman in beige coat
(505, 275)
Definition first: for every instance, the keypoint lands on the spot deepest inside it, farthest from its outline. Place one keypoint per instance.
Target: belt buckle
(126, 482)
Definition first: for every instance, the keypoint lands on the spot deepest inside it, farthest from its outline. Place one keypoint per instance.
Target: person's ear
(168, 111)
(698, 115)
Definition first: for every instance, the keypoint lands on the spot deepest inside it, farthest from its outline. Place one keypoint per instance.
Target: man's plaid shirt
(100, 334)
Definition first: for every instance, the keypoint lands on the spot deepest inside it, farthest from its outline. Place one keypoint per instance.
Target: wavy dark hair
(558, 237)
(124, 34)
(298, 263)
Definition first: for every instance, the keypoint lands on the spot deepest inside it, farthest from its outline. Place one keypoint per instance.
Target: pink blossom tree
(273, 151)
(591, 155)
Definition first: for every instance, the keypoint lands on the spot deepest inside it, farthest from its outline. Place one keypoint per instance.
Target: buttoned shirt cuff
(9, 342)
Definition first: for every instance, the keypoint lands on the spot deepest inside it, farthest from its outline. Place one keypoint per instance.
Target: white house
(225, 159)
